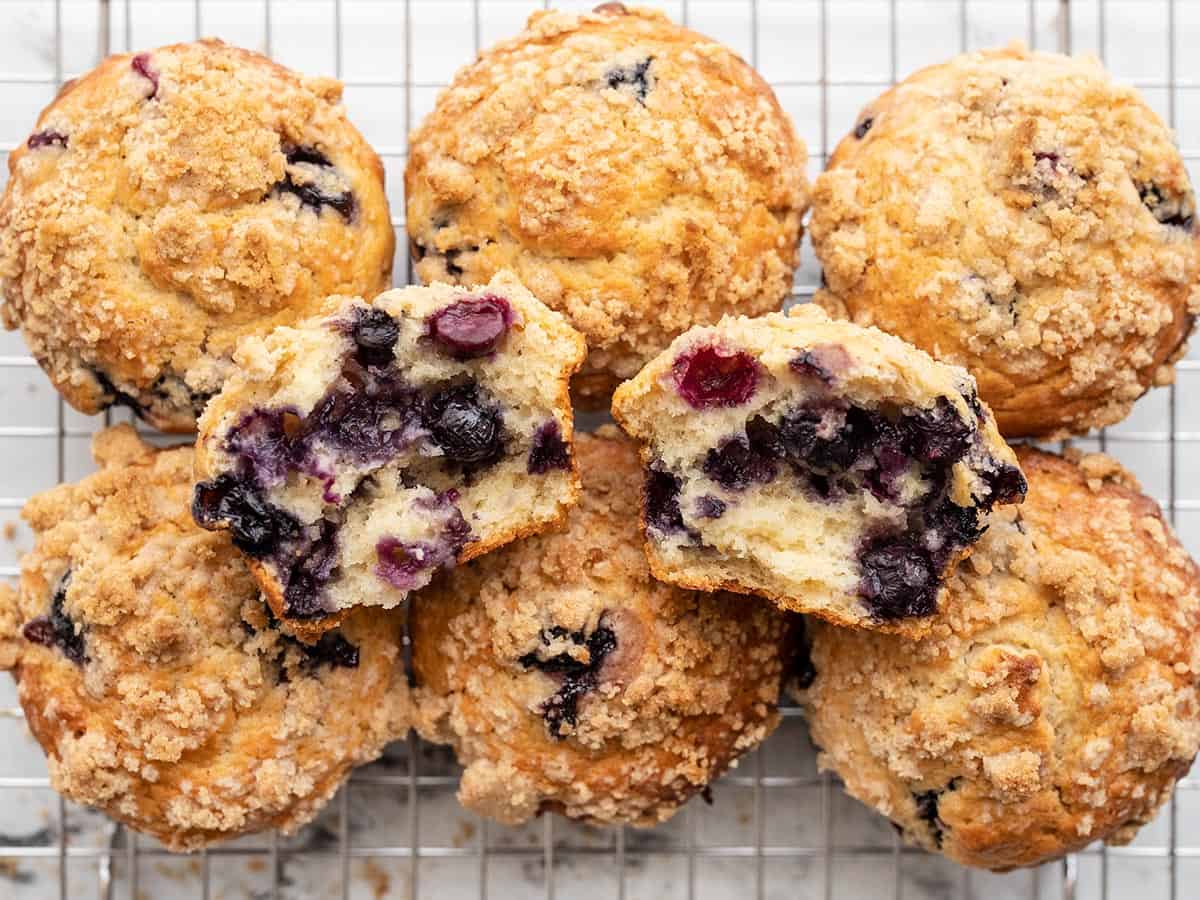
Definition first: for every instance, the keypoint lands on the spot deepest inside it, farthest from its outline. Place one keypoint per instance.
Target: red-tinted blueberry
(548, 450)
(141, 65)
(712, 376)
(471, 328)
(898, 578)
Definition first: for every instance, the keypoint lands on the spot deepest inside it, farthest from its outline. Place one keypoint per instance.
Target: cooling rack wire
(776, 829)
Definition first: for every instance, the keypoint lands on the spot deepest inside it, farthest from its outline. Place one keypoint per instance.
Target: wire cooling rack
(776, 828)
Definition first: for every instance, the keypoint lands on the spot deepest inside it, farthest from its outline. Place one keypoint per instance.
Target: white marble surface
(708, 851)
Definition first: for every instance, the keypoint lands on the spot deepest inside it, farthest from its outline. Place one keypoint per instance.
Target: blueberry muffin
(361, 450)
(832, 468)
(1053, 705)
(568, 680)
(168, 203)
(155, 679)
(639, 178)
(1018, 214)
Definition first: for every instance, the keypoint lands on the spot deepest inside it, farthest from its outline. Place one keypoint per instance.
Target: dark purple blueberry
(46, 138)
(375, 334)
(1005, 483)
(308, 192)
(548, 451)
(735, 465)
(258, 527)
(369, 417)
(471, 328)
(262, 443)
(314, 564)
(953, 526)
(826, 437)
(635, 76)
(661, 501)
(1175, 210)
(808, 363)
(469, 431)
(141, 65)
(712, 376)
(927, 809)
(56, 629)
(331, 650)
(709, 507)
(898, 579)
(578, 678)
(861, 129)
(937, 435)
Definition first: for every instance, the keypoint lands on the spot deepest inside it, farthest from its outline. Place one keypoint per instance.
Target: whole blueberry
(471, 328)
(712, 376)
(468, 430)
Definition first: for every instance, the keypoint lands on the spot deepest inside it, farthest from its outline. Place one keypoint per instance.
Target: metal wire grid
(124, 850)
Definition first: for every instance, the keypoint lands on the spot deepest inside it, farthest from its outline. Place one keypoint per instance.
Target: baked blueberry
(47, 138)
(829, 467)
(635, 76)
(423, 429)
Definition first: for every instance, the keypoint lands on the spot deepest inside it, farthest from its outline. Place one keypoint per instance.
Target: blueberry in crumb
(258, 527)
(46, 138)
(578, 677)
(927, 809)
(735, 465)
(314, 565)
(141, 65)
(56, 629)
(471, 328)
(469, 431)
(332, 649)
(309, 193)
(635, 76)
(375, 334)
(898, 578)
(548, 451)
(937, 435)
(709, 507)
(861, 129)
(661, 501)
(1174, 210)
(402, 563)
(712, 376)
(1005, 484)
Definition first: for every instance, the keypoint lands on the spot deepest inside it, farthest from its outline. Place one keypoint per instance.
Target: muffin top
(1018, 214)
(154, 677)
(168, 203)
(569, 680)
(1054, 704)
(637, 176)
